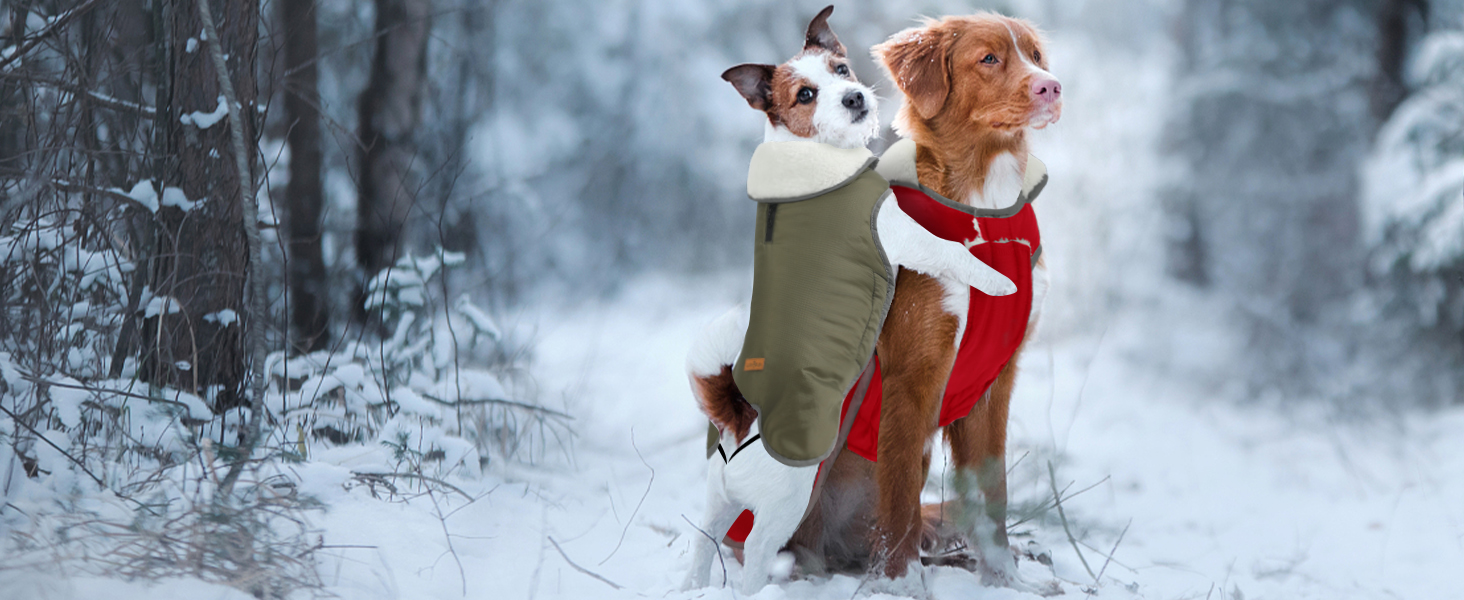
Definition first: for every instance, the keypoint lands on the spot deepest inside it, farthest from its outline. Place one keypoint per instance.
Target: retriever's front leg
(916, 349)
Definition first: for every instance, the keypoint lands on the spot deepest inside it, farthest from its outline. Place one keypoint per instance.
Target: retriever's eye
(989, 60)
(805, 95)
(842, 70)
(1037, 55)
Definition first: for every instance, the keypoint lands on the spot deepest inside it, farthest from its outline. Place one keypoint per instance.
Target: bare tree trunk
(1394, 39)
(309, 311)
(201, 260)
(390, 109)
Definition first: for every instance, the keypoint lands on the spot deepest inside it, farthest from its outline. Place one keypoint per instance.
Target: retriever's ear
(821, 36)
(918, 62)
(754, 82)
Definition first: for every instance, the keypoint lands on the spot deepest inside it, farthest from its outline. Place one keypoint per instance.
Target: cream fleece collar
(789, 171)
(897, 165)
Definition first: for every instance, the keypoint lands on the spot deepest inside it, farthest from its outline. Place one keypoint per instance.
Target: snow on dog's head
(812, 97)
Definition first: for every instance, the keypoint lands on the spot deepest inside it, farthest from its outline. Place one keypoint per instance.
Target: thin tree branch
(1052, 474)
(1114, 550)
(57, 23)
(98, 97)
(256, 348)
(421, 477)
(717, 545)
(73, 459)
(582, 569)
(638, 504)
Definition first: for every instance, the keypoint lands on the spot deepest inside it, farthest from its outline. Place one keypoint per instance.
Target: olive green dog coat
(821, 288)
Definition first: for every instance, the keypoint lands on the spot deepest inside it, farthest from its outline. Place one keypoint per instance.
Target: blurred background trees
(1278, 105)
(1298, 166)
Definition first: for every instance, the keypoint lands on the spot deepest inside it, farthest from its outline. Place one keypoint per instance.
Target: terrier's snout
(854, 100)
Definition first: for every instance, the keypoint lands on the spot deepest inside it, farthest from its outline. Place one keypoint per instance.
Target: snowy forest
(393, 299)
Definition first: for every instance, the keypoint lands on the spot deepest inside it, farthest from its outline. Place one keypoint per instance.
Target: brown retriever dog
(973, 85)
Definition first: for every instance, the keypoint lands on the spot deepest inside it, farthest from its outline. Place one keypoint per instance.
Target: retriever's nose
(1046, 89)
(854, 101)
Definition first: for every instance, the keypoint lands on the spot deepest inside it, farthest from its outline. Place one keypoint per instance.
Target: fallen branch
(416, 476)
(500, 402)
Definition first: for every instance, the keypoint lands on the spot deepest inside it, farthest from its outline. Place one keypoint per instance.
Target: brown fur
(723, 403)
(962, 113)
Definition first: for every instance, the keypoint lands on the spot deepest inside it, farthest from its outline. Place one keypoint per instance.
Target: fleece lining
(792, 171)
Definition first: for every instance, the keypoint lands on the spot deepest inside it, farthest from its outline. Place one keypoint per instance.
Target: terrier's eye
(806, 95)
(1037, 55)
(989, 60)
(842, 70)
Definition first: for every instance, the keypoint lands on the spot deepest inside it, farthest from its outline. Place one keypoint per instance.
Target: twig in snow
(582, 569)
(638, 504)
(448, 536)
(1052, 474)
(717, 545)
(1017, 462)
(17, 420)
(421, 477)
(1043, 508)
(1114, 550)
(1099, 552)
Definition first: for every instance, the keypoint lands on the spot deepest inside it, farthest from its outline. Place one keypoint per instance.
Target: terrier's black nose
(854, 101)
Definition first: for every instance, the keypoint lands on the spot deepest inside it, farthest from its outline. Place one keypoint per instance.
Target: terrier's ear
(820, 36)
(917, 60)
(754, 82)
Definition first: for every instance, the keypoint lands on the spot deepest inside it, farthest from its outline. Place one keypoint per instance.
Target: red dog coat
(995, 325)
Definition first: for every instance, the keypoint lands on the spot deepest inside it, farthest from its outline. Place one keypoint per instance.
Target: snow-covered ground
(1226, 500)
(1222, 498)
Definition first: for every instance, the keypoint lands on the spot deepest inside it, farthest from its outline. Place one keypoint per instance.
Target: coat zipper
(768, 229)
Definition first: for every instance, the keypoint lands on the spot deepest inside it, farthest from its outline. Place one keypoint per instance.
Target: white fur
(1047, 115)
(1003, 183)
(833, 124)
(1041, 281)
(776, 494)
(909, 245)
(719, 343)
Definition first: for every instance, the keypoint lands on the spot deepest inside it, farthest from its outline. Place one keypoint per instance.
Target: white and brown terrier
(814, 97)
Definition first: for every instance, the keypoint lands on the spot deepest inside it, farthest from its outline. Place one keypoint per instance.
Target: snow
(67, 398)
(205, 120)
(176, 198)
(191, 45)
(224, 318)
(1255, 500)
(159, 305)
(144, 194)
